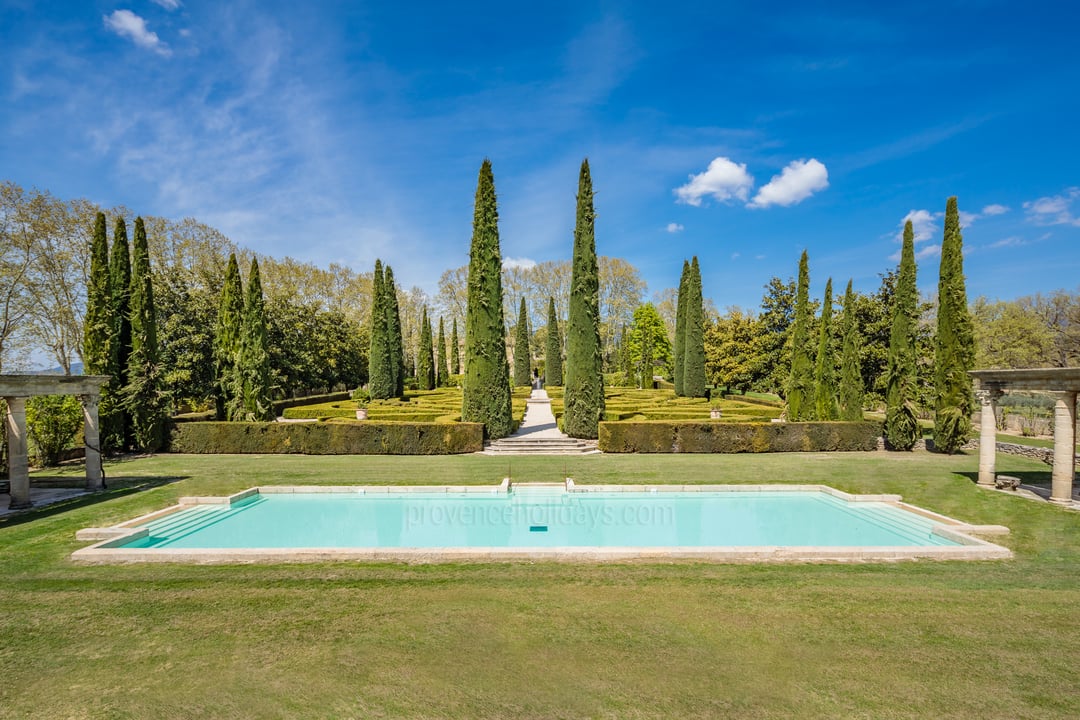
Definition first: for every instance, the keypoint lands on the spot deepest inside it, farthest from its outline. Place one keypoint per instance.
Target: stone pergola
(15, 389)
(1062, 384)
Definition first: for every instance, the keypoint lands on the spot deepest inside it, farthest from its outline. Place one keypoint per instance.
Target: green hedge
(357, 438)
(281, 405)
(713, 437)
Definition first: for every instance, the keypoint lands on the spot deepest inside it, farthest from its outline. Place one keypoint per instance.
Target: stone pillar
(18, 470)
(92, 439)
(1064, 447)
(987, 434)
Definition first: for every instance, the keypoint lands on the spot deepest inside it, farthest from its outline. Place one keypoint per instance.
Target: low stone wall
(1045, 455)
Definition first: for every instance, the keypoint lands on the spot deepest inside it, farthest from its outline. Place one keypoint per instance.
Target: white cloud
(994, 209)
(723, 180)
(675, 228)
(168, 4)
(1012, 241)
(798, 181)
(523, 262)
(928, 251)
(966, 218)
(127, 24)
(922, 222)
(1054, 209)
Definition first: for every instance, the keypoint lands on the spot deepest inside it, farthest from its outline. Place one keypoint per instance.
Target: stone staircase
(525, 445)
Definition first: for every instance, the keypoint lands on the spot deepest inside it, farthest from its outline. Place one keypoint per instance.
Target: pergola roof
(1053, 379)
(30, 385)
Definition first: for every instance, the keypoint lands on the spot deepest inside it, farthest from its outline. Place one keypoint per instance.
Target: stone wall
(1045, 455)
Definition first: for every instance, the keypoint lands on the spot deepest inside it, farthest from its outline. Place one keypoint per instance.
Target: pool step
(525, 445)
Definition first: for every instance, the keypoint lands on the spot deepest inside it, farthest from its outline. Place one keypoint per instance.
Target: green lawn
(919, 639)
(1032, 441)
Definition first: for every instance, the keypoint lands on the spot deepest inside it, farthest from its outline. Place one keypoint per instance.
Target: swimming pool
(611, 522)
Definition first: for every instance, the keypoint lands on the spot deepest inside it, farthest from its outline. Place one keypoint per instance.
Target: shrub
(331, 438)
(52, 423)
(719, 437)
(281, 405)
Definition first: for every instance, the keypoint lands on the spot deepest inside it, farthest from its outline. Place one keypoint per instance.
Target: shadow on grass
(1027, 477)
(117, 487)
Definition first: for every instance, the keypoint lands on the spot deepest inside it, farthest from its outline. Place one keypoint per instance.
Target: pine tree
(455, 351)
(442, 372)
(680, 328)
(694, 329)
(553, 349)
(851, 382)
(120, 278)
(254, 361)
(902, 429)
(396, 342)
(486, 390)
(142, 396)
(227, 338)
(425, 369)
(380, 374)
(954, 353)
(825, 405)
(522, 354)
(99, 333)
(800, 389)
(584, 395)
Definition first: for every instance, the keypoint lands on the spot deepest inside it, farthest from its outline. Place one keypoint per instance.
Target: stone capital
(90, 402)
(988, 396)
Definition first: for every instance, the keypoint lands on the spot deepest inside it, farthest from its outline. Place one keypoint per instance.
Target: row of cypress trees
(120, 339)
(241, 353)
(386, 357)
(690, 333)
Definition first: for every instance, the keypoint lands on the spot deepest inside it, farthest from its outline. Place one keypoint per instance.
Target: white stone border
(108, 549)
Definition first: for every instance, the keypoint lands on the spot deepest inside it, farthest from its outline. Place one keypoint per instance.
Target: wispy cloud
(724, 180)
(523, 263)
(927, 251)
(1012, 241)
(129, 25)
(923, 222)
(675, 228)
(168, 4)
(1054, 209)
(798, 181)
(995, 209)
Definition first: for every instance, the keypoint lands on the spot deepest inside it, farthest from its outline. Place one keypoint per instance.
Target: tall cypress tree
(254, 352)
(396, 342)
(120, 278)
(694, 329)
(553, 349)
(380, 373)
(800, 388)
(901, 423)
(522, 354)
(227, 338)
(142, 394)
(441, 370)
(851, 383)
(680, 328)
(954, 353)
(486, 391)
(584, 395)
(425, 369)
(455, 351)
(99, 332)
(825, 405)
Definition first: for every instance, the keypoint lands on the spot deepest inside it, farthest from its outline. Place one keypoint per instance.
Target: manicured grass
(921, 639)
(648, 404)
(440, 405)
(1033, 442)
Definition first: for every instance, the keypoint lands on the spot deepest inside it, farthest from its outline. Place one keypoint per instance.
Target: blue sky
(346, 131)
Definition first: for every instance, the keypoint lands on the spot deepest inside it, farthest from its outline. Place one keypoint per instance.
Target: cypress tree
(425, 369)
(901, 424)
(99, 332)
(694, 330)
(954, 353)
(441, 371)
(680, 328)
(120, 278)
(227, 339)
(254, 353)
(584, 395)
(486, 387)
(455, 351)
(396, 342)
(851, 383)
(825, 405)
(142, 394)
(380, 374)
(800, 389)
(553, 349)
(522, 355)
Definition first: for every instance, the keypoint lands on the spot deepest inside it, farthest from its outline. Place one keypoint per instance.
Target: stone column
(18, 470)
(1064, 447)
(987, 434)
(92, 439)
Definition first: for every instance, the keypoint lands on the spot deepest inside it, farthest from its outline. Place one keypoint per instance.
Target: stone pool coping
(107, 550)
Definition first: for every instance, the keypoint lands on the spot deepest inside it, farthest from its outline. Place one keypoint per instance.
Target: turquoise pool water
(531, 519)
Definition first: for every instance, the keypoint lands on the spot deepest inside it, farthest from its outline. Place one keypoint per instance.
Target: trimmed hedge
(281, 405)
(714, 437)
(356, 438)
